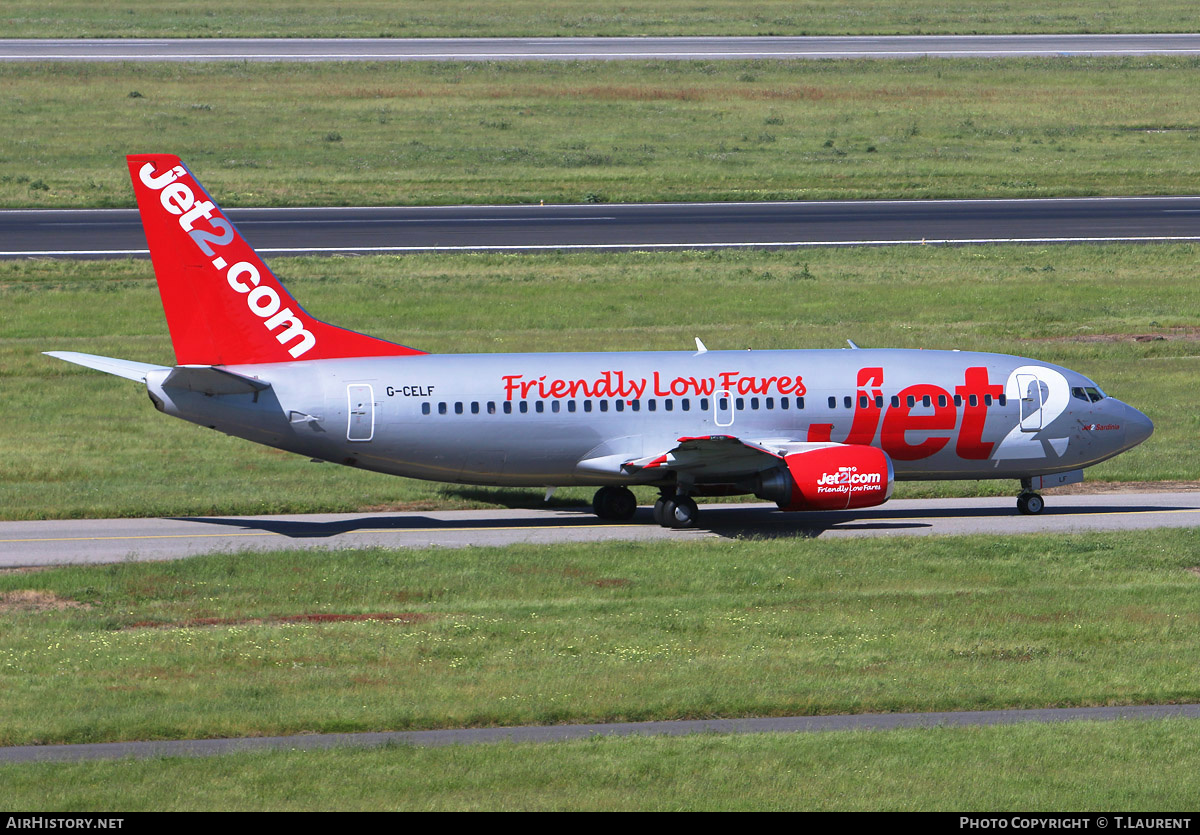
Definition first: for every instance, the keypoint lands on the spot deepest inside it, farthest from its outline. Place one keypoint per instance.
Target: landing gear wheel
(1030, 504)
(659, 518)
(679, 512)
(616, 504)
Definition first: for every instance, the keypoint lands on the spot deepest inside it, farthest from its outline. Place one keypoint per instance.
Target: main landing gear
(615, 504)
(676, 511)
(618, 504)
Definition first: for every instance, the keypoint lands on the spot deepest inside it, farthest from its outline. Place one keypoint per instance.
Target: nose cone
(1138, 427)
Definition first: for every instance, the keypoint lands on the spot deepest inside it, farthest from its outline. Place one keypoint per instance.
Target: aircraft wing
(716, 457)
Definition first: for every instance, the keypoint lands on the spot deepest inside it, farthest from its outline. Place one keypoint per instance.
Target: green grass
(81, 443)
(1128, 766)
(426, 18)
(435, 133)
(252, 644)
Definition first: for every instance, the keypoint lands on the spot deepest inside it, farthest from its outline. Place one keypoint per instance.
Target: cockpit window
(1089, 394)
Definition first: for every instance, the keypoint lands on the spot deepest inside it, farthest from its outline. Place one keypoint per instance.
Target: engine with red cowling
(834, 477)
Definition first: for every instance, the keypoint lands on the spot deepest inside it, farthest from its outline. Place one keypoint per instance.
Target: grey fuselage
(574, 419)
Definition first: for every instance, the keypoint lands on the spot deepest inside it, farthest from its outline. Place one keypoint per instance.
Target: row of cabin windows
(685, 404)
(556, 406)
(926, 400)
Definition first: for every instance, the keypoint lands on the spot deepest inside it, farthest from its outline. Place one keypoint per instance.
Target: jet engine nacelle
(836, 477)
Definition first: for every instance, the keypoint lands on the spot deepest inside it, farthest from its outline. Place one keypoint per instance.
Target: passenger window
(508, 407)
(539, 407)
(555, 406)
(685, 404)
(604, 405)
(524, 407)
(425, 408)
(474, 407)
(491, 407)
(669, 405)
(570, 405)
(833, 402)
(442, 409)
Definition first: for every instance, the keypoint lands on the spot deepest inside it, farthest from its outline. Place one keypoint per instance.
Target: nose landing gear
(1029, 503)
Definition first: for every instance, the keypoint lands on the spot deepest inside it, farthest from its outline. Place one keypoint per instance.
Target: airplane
(806, 429)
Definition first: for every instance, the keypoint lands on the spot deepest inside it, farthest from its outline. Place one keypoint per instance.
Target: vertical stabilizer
(223, 305)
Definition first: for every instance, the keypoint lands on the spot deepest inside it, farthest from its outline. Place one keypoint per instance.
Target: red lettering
(899, 421)
(866, 418)
(658, 391)
(820, 433)
(970, 435)
(510, 385)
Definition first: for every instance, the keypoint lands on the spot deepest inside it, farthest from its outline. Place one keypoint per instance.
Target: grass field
(369, 134)
(86, 444)
(478, 18)
(289, 642)
(1130, 766)
(273, 643)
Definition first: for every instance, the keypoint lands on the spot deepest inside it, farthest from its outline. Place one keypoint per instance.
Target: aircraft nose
(1138, 427)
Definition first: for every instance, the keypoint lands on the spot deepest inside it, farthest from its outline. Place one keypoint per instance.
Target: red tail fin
(223, 305)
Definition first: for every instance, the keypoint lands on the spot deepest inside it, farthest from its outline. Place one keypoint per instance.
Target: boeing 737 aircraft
(807, 429)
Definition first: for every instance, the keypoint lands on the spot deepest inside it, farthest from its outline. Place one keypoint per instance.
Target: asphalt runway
(577, 49)
(94, 541)
(117, 233)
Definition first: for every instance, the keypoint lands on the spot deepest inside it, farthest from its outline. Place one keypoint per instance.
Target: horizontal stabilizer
(128, 369)
(209, 380)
